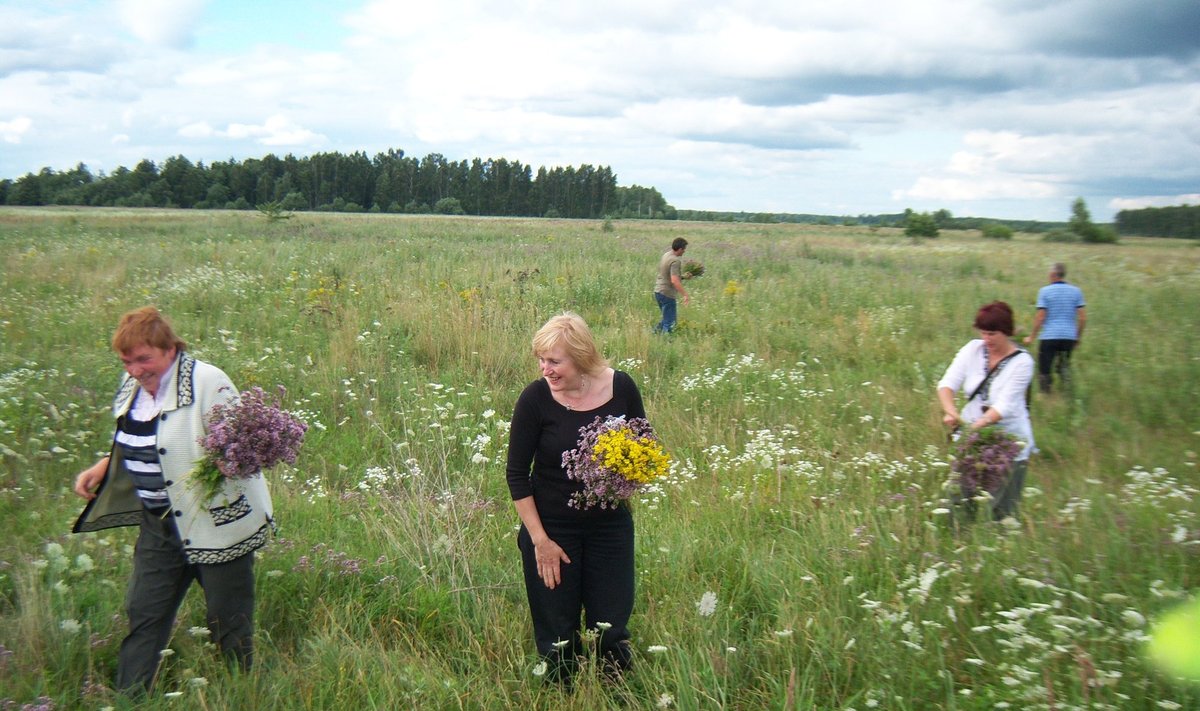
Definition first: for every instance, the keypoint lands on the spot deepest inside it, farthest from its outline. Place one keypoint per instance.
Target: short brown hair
(996, 316)
(678, 243)
(145, 327)
(571, 331)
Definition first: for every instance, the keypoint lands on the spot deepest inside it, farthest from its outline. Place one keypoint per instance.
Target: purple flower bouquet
(245, 437)
(983, 459)
(615, 457)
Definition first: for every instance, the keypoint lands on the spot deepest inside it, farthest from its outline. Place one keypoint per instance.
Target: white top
(1006, 393)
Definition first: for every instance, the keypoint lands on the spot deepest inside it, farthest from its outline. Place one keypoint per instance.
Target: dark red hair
(996, 316)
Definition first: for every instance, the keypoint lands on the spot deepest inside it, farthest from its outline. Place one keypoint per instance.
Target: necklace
(582, 393)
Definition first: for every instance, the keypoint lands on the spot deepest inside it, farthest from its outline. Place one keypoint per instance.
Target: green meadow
(796, 399)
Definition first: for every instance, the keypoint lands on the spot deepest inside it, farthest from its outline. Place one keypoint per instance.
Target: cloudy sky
(997, 108)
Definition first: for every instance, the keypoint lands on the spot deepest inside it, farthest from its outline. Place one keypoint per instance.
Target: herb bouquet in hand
(615, 458)
(692, 269)
(983, 459)
(245, 437)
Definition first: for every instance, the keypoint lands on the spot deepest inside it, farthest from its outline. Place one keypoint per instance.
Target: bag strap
(991, 373)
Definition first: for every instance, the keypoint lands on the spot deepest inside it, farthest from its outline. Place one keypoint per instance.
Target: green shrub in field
(1060, 236)
(920, 224)
(1100, 234)
(449, 206)
(997, 231)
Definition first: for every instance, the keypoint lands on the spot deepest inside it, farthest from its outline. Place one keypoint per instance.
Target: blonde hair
(571, 332)
(145, 327)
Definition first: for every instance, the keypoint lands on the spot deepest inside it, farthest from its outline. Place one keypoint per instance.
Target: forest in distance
(394, 182)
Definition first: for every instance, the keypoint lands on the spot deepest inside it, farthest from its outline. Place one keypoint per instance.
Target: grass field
(797, 399)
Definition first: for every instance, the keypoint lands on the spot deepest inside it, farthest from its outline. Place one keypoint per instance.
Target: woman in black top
(575, 560)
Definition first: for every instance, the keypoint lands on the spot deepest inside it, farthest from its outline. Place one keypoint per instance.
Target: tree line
(1181, 221)
(388, 182)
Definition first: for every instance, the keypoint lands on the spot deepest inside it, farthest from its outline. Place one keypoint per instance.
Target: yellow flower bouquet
(615, 458)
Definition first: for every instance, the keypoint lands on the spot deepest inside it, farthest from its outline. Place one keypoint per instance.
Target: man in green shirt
(669, 285)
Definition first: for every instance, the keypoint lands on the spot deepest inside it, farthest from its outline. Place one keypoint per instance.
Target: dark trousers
(598, 582)
(1054, 354)
(1009, 496)
(161, 578)
(1005, 501)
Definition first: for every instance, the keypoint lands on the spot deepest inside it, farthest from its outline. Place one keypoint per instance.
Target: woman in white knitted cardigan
(161, 413)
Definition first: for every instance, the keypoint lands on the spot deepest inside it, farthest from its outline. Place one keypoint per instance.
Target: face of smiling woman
(559, 370)
(146, 364)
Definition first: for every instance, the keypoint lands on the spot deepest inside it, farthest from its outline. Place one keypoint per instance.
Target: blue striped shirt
(1061, 301)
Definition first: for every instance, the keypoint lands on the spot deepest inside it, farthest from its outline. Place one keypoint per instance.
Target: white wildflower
(70, 626)
(656, 649)
(540, 668)
(1133, 618)
(665, 701)
(708, 604)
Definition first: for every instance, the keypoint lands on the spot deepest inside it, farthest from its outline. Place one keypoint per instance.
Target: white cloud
(275, 131)
(12, 131)
(1154, 201)
(949, 190)
(161, 23)
(200, 129)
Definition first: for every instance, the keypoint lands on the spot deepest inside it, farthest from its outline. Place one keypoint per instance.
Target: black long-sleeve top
(542, 429)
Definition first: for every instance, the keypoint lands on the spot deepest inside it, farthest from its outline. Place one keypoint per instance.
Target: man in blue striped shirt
(1061, 315)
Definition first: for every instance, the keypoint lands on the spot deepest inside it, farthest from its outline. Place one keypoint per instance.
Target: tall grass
(796, 397)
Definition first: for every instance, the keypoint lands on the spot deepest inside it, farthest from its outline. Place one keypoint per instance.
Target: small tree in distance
(920, 224)
(273, 211)
(1082, 225)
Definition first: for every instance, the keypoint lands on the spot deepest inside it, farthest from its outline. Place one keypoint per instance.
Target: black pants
(161, 577)
(1054, 354)
(598, 582)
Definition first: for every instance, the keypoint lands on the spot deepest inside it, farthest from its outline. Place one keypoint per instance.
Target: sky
(986, 108)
